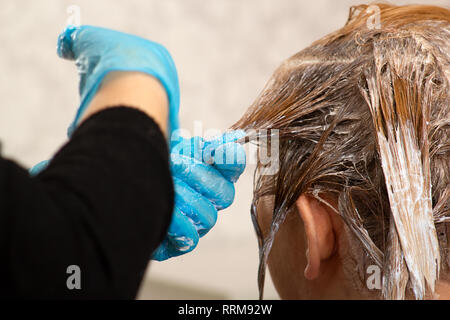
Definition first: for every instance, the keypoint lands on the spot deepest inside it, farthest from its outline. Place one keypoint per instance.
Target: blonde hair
(363, 114)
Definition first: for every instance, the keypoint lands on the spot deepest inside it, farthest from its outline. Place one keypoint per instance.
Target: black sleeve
(104, 204)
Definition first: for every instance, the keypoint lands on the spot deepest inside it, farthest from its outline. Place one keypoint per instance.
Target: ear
(320, 233)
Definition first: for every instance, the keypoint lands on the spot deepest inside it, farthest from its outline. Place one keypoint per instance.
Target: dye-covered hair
(363, 116)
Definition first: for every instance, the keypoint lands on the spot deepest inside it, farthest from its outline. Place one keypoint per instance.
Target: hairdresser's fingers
(229, 160)
(182, 234)
(163, 252)
(226, 156)
(195, 206)
(204, 179)
(38, 168)
(229, 136)
(76, 41)
(180, 239)
(192, 147)
(211, 145)
(80, 43)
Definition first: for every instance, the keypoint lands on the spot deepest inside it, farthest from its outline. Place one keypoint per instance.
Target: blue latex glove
(98, 51)
(38, 167)
(203, 174)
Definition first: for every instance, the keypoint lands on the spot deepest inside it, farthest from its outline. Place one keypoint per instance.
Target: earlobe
(319, 231)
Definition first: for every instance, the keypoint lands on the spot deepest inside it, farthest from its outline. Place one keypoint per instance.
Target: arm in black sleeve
(104, 204)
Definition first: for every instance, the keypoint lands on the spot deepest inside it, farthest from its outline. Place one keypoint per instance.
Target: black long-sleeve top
(103, 205)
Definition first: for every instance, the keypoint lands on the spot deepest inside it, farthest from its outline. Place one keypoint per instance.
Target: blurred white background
(225, 51)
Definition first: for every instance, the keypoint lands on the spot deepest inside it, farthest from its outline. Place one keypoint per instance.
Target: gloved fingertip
(230, 160)
(232, 136)
(223, 150)
(38, 168)
(182, 234)
(71, 129)
(180, 239)
(161, 253)
(226, 199)
(197, 207)
(65, 43)
(228, 136)
(184, 244)
(233, 173)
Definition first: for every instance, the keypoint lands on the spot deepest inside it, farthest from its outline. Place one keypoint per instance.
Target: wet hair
(363, 116)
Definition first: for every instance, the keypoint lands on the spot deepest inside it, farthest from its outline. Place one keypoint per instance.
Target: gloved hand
(203, 171)
(203, 174)
(98, 51)
(38, 167)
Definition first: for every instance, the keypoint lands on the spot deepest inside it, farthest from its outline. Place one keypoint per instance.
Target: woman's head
(364, 149)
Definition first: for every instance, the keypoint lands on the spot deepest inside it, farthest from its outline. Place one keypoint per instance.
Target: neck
(442, 290)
